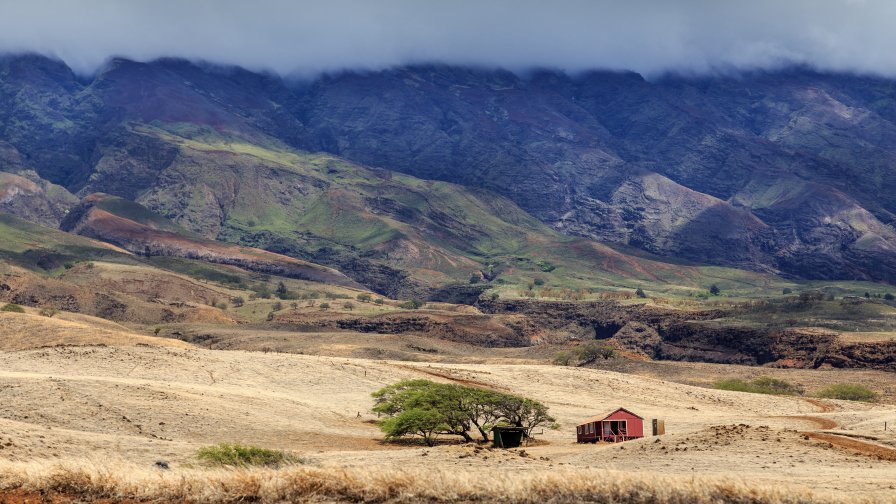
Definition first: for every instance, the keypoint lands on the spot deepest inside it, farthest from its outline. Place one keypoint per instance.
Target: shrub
(640, 293)
(13, 308)
(545, 266)
(474, 279)
(889, 297)
(761, 385)
(848, 392)
(48, 312)
(348, 306)
(585, 354)
(237, 455)
(325, 306)
(364, 298)
(538, 281)
(238, 301)
(277, 306)
(714, 290)
(378, 301)
(786, 291)
(411, 305)
(221, 305)
(562, 359)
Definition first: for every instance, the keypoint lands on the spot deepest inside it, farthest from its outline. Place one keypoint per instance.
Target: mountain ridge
(782, 171)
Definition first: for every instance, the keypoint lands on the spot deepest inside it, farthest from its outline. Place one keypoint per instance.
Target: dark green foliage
(848, 392)
(325, 306)
(13, 308)
(640, 293)
(426, 409)
(585, 354)
(474, 279)
(714, 290)
(378, 301)
(538, 281)
(284, 293)
(237, 455)
(411, 305)
(364, 298)
(786, 291)
(545, 266)
(261, 291)
(238, 301)
(761, 385)
(889, 297)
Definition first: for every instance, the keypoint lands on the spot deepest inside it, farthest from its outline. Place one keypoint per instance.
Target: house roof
(603, 417)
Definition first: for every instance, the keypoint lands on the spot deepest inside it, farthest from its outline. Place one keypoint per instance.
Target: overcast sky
(648, 36)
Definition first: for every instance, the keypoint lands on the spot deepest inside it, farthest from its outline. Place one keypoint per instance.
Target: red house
(620, 425)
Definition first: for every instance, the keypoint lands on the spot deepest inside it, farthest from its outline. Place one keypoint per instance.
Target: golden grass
(85, 480)
(22, 331)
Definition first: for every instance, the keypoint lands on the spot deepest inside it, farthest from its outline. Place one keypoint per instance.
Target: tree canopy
(427, 409)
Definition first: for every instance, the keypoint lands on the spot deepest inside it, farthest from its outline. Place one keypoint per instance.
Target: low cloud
(290, 37)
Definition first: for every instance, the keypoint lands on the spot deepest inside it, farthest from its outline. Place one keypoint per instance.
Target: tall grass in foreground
(88, 481)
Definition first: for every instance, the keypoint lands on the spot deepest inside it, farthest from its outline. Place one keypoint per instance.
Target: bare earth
(141, 403)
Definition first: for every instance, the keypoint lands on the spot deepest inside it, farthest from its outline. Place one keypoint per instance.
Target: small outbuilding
(619, 425)
(507, 437)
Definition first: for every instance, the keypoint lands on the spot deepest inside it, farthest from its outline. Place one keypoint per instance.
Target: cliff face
(667, 334)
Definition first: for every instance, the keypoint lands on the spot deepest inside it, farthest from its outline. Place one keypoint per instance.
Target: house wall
(635, 425)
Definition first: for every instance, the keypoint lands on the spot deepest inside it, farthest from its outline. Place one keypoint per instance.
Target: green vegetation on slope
(320, 207)
(44, 249)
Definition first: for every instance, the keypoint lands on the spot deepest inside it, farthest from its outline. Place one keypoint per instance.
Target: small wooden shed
(619, 425)
(507, 437)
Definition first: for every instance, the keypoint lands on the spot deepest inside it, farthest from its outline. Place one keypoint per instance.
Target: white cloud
(300, 36)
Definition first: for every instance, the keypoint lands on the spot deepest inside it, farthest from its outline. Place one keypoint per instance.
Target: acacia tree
(426, 408)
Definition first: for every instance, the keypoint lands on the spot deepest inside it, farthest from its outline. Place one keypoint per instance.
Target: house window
(579, 429)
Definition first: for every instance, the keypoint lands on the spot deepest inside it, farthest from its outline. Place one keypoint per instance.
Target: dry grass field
(67, 411)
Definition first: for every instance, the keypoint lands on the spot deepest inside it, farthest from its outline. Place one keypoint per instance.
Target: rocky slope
(92, 219)
(780, 171)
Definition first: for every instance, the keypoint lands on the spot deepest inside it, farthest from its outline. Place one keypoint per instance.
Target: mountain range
(411, 179)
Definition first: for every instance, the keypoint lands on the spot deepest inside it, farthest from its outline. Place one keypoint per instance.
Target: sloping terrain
(783, 171)
(160, 238)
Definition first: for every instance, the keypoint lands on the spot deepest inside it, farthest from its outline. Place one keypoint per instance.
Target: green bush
(378, 301)
(761, 385)
(237, 455)
(640, 293)
(411, 305)
(13, 308)
(848, 392)
(585, 354)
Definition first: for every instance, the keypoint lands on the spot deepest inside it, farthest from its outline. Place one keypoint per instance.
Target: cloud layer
(307, 37)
